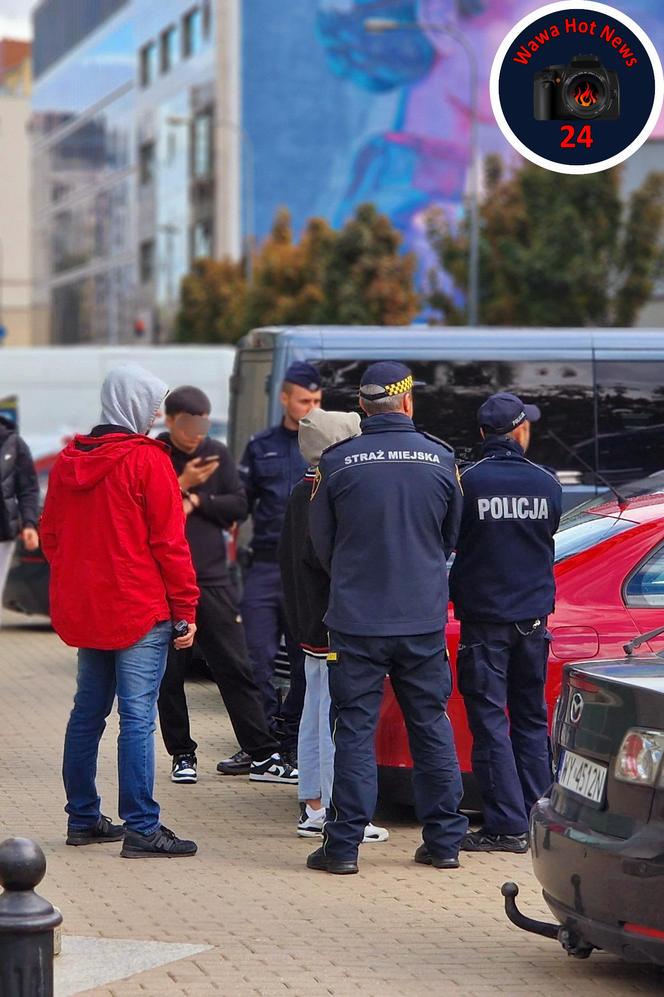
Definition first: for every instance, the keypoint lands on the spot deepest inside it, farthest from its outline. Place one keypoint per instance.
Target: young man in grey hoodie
(121, 577)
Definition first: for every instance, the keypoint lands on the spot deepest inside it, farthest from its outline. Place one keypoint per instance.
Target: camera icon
(583, 90)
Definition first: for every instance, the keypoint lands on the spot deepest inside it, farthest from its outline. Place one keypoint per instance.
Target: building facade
(15, 267)
(166, 131)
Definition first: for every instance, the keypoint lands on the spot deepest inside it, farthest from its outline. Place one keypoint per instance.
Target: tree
(355, 276)
(367, 280)
(213, 301)
(556, 250)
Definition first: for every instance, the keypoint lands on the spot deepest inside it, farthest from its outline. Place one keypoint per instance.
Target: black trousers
(220, 635)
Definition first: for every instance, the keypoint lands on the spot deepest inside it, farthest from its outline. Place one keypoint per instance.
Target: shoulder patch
(435, 439)
(318, 477)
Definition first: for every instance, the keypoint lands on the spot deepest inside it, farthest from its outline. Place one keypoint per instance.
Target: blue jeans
(135, 673)
(315, 750)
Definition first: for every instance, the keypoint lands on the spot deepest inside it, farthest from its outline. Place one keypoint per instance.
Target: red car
(610, 588)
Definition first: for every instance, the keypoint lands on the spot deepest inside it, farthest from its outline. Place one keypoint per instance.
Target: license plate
(583, 777)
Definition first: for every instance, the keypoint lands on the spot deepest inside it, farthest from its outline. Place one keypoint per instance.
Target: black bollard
(27, 922)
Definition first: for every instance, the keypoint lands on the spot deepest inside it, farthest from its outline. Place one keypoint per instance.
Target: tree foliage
(353, 276)
(556, 250)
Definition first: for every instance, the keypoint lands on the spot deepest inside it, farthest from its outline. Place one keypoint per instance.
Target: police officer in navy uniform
(270, 468)
(384, 516)
(503, 589)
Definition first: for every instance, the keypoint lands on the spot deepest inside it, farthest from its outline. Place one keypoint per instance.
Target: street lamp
(248, 148)
(377, 25)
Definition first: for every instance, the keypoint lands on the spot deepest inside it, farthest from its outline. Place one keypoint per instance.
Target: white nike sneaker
(273, 769)
(373, 833)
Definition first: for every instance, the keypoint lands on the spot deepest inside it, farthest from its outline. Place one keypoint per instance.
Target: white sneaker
(373, 833)
(184, 769)
(273, 769)
(310, 824)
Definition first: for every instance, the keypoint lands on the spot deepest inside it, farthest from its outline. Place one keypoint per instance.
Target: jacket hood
(131, 396)
(320, 429)
(81, 469)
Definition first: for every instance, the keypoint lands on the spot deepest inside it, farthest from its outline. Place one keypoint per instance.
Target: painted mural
(341, 115)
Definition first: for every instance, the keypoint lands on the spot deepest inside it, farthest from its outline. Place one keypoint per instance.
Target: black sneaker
(424, 857)
(482, 841)
(162, 844)
(273, 769)
(184, 768)
(100, 832)
(325, 863)
(289, 755)
(237, 764)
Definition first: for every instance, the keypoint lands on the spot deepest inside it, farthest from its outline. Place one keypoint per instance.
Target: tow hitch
(570, 940)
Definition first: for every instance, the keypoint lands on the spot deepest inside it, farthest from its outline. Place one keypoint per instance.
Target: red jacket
(113, 532)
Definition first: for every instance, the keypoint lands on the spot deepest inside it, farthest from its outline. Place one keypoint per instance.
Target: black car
(598, 839)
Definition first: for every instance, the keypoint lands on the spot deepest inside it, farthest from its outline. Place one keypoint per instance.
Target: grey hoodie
(320, 429)
(131, 397)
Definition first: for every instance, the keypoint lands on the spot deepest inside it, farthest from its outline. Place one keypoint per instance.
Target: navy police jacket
(384, 516)
(503, 570)
(270, 468)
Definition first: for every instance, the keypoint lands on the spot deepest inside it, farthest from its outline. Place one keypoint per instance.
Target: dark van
(601, 391)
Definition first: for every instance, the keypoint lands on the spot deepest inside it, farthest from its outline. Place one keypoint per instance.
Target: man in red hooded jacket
(121, 576)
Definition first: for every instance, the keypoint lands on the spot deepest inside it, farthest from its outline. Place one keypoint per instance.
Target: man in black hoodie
(19, 498)
(213, 499)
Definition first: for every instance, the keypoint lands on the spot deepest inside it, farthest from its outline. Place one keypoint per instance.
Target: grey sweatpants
(6, 554)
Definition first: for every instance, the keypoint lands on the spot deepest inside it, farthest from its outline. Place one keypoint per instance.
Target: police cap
(304, 375)
(390, 377)
(503, 412)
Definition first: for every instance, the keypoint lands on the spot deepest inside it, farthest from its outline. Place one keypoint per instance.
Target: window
(630, 397)
(148, 64)
(202, 146)
(146, 261)
(168, 48)
(146, 161)
(201, 239)
(646, 586)
(447, 405)
(207, 19)
(587, 531)
(192, 33)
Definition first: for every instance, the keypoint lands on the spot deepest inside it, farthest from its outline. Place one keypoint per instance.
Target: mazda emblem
(576, 708)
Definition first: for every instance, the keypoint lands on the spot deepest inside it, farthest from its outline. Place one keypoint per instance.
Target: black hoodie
(306, 583)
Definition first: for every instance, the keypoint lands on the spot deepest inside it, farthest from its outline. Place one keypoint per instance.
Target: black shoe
(324, 863)
(102, 831)
(184, 768)
(482, 841)
(289, 755)
(424, 857)
(162, 844)
(237, 764)
(273, 769)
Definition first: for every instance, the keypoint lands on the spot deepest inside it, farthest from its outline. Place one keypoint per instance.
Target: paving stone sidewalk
(252, 919)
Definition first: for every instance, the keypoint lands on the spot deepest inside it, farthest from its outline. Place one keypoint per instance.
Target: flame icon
(586, 95)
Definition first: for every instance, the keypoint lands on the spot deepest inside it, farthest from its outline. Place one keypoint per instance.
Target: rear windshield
(581, 529)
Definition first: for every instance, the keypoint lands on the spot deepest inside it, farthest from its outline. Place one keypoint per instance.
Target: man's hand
(182, 643)
(196, 472)
(30, 538)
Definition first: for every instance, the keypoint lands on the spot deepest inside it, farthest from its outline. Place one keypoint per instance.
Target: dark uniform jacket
(222, 503)
(19, 487)
(306, 583)
(384, 516)
(503, 570)
(270, 468)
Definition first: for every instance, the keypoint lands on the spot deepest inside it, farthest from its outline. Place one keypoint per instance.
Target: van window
(249, 397)
(630, 397)
(447, 406)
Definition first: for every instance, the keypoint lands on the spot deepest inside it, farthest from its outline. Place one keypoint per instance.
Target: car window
(580, 531)
(646, 586)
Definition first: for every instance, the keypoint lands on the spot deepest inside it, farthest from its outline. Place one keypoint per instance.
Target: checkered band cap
(386, 379)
